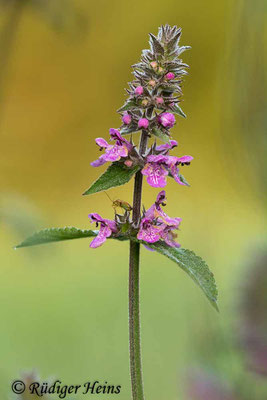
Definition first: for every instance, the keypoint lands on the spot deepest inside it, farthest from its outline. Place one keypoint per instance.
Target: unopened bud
(143, 123)
(154, 64)
(145, 102)
(169, 76)
(159, 100)
(160, 69)
(126, 119)
(139, 90)
(152, 83)
(128, 163)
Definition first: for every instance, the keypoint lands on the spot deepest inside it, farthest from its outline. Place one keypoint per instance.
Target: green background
(63, 306)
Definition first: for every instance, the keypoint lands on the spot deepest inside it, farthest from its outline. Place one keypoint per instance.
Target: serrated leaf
(177, 110)
(161, 135)
(129, 105)
(194, 266)
(60, 234)
(56, 235)
(155, 45)
(116, 175)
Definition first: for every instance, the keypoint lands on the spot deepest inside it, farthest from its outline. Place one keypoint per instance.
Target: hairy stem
(134, 319)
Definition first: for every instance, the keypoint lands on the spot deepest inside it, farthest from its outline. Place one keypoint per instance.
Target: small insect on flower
(120, 204)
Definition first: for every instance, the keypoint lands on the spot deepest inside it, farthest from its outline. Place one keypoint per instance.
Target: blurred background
(64, 309)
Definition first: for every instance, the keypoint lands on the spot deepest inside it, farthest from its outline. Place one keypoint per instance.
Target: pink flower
(169, 76)
(167, 120)
(143, 123)
(157, 225)
(107, 227)
(148, 232)
(167, 146)
(112, 152)
(139, 90)
(126, 119)
(156, 174)
(158, 167)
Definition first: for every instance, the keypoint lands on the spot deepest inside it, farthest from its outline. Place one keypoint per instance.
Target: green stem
(134, 318)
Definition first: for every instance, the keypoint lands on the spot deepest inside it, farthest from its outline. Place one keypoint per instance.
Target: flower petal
(104, 232)
(100, 161)
(156, 175)
(167, 146)
(115, 135)
(175, 173)
(148, 232)
(101, 142)
(184, 159)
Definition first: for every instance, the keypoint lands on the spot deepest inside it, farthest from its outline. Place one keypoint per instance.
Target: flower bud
(159, 100)
(143, 123)
(160, 70)
(128, 163)
(145, 102)
(169, 76)
(167, 120)
(139, 90)
(152, 83)
(126, 119)
(154, 64)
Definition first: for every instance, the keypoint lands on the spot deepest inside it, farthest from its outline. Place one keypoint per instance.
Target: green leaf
(194, 266)
(177, 110)
(161, 135)
(155, 45)
(60, 234)
(116, 175)
(129, 105)
(56, 235)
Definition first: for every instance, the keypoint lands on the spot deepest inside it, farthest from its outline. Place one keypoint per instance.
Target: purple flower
(157, 225)
(126, 119)
(167, 120)
(159, 166)
(143, 123)
(139, 90)
(169, 76)
(112, 152)
(156, 174)
(148, 232)
(107, 227)
(167, 146)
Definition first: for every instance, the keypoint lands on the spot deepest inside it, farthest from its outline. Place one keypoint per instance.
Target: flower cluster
(153, 99)
(155, 225)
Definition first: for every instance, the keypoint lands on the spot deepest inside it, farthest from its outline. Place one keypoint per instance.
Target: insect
(120, 204)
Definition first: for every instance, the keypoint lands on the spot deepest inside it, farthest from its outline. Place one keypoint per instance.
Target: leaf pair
(192, 264)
